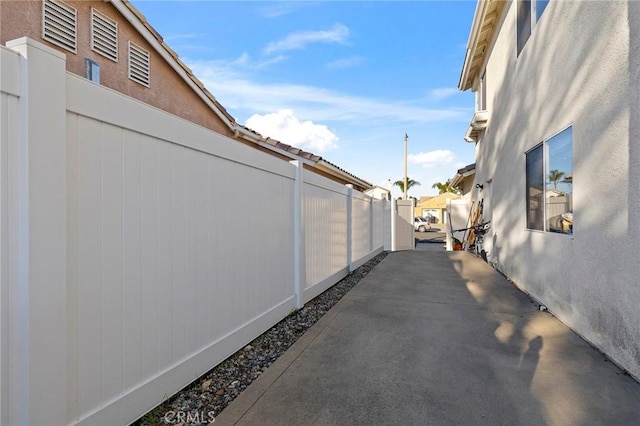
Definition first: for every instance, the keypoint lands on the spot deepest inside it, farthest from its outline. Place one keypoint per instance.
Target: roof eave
(481, 9)
(342, 174)
(136, 19)
(485, 22)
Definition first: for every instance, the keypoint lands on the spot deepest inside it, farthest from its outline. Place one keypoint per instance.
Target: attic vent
(138, 64)
(59, 24)
(104, 35)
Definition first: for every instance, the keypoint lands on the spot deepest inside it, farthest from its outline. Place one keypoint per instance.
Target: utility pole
(406, 180)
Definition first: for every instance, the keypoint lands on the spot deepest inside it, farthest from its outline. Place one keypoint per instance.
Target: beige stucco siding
(167, 91)
(574, 71)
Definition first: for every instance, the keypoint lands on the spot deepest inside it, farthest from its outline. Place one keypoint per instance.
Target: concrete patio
(435, 337)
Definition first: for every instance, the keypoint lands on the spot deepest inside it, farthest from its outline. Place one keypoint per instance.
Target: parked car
(421, 224)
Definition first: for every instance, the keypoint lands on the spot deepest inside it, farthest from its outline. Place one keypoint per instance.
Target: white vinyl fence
(139, 250)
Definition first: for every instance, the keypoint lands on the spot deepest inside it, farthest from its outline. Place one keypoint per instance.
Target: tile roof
(221, 111)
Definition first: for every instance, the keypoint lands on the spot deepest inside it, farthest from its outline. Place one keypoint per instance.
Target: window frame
(544, 144)
(533, 19)
(481, 93)
(92, 70)
(528, 220)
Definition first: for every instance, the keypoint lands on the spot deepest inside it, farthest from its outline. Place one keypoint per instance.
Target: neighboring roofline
(378, 186)
(438, 198)
(334, 170)
(463, 173)
(139, 22)
(298, 154)
(485, 22)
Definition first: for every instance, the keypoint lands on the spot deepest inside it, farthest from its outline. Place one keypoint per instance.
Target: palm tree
(410, 183)
(444, 187)
(555, 176)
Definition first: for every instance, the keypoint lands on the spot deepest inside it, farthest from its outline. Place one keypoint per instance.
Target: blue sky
(343, 79)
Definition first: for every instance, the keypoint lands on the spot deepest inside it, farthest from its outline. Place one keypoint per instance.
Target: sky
(345, 80)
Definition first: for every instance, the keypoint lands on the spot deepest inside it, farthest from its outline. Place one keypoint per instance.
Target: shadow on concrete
(438, 338)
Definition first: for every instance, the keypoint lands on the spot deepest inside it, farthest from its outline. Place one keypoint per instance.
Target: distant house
(558, 97)
(379, 193)
(434, 207)
(111, 43)
(464, 180)
(421, 201)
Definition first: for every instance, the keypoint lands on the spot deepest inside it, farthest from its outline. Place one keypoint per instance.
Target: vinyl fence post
(38, 307)
(349, 227)
(298, 254)
(394, 208)
(371, 227)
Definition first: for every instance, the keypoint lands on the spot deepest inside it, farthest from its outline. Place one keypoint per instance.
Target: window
(139, 67)
(540, 7)
(549, 180)
(92, 70)
(59, 24)
(481, 94)
(528, 14)
(535, 189)
(104, 35)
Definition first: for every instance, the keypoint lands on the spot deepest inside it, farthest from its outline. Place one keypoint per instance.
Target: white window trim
(545, 171)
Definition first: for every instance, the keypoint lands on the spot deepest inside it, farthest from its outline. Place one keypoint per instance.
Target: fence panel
(170, 257)
(179, 248)
(378, 223)
(324, 205)
(361, 221)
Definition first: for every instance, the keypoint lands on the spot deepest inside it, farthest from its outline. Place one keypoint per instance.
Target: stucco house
(111, 43)
(379, 193)
(434, 207)
(557, 88)
(129, 265)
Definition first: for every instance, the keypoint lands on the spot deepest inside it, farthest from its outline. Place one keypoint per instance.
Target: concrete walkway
(437, 338)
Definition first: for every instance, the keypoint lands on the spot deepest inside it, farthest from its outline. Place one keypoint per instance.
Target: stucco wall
(574, 70)
(167, 90)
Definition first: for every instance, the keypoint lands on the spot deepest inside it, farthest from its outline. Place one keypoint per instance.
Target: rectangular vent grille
(104, 35)
(59, 24)
(138, 64)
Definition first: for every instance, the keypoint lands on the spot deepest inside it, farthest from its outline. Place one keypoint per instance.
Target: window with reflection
(549, 180)
(535, 189)
(528, 13)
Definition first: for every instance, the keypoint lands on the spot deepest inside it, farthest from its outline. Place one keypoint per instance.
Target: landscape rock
(236, 373)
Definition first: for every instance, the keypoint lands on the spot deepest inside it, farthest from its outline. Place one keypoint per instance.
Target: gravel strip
(211, 393)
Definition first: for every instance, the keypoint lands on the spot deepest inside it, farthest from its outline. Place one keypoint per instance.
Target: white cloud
(438, 157)
(287, 128)
(246, 62)
(295, 41)
(230, 82)
(444, 92)
(352, 61)
(280, 8)
(188, 36)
